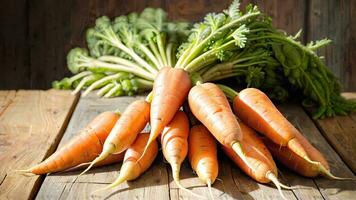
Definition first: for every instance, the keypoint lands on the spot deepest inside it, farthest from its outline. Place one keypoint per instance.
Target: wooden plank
(304, 188)
(14, 50)
(330, 189)
(30, 129)
(254, 190)
(58, 186)
(340, 133)
(334, 20)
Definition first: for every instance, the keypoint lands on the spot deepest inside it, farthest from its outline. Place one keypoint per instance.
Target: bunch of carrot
(110, 138)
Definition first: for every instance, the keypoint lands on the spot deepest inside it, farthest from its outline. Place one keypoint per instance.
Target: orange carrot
(174, 140)
(132, 167)
(263, 168)
(113, 158)
(255, 109)
(82, 148)
(211, 107)
(297, 163)
(170, 89)
(202, 155)
(125, 131)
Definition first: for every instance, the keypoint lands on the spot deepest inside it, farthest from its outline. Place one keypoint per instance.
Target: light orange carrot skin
(257, 154)
(112, 159)
(211, 107)
(82, 148)
(174, 139)
(202, 153)
(134, 152)
(255, 109)
(295, 162)
(170, 90)
(133, 120)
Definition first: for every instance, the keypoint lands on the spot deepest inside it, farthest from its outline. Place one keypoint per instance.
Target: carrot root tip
(287, 187)
(23, 170)
(274, 179)
(208, 182)
(328, 174)
(175, 173)
(102, 156)
(117, 182)
(150, 140)
(236, 146)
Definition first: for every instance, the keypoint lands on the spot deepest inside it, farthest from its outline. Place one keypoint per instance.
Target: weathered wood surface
(340, 132)
(329, 189)
(157, 182)
(31, 126)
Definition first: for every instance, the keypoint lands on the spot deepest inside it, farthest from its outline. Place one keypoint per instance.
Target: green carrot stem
(161, 48)
(150, 55)
(229, 92)
(105, 89)
(153, 47)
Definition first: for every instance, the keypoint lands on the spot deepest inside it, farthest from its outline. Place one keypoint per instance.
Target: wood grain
(31, 125)
(329, 189)
(340, 133)
(151, 185)
(334, 19)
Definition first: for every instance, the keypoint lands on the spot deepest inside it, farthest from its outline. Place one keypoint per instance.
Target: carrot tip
(287, 187)
(208, 182)
(102, 156)
(175, 173)
(236, 146)
(23, 170)
(99, 190)
(274, 179)
(328, 174)
(150, 140)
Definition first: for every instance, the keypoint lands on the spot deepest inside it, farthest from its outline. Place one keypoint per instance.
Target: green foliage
(237, 42)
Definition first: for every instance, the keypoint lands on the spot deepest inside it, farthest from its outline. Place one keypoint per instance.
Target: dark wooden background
(35, 35)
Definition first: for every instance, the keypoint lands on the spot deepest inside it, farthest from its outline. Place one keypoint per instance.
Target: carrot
(170, 89)
(131, 167)
(113, 158)
(210, 106)
(125, 131)
(255, 109)
(263, 167)
(297, 163)
(202, 155)
(80, 149)
(174, 140)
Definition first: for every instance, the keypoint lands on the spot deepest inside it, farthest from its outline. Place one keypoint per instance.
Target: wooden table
(34, 123)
